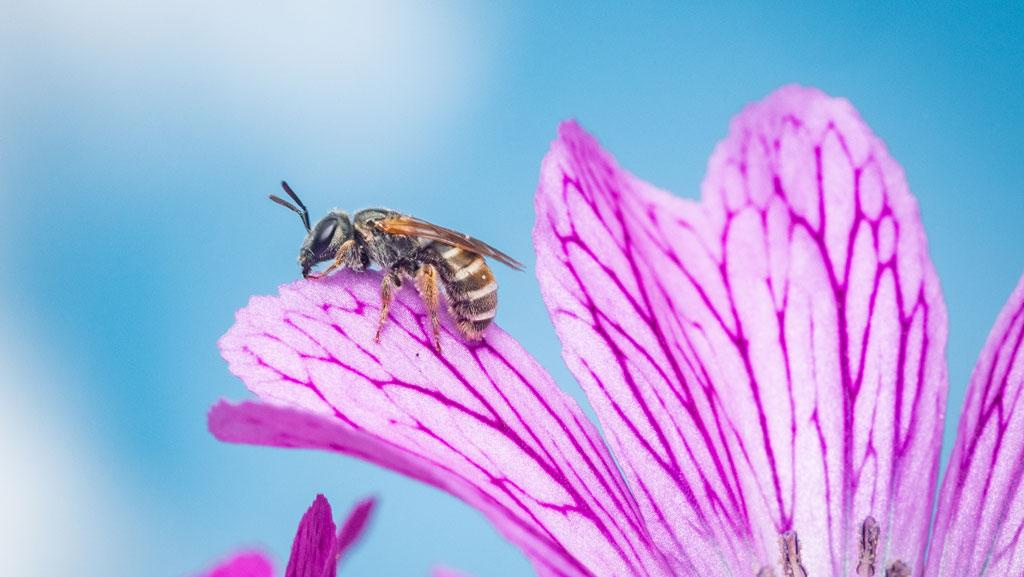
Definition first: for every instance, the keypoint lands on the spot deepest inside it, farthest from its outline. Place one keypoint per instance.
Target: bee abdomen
(471, 288)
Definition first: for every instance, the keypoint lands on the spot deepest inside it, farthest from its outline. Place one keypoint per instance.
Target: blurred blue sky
(138, 141)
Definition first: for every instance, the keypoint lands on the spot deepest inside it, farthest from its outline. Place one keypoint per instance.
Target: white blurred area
(352, 83)
(59, 513)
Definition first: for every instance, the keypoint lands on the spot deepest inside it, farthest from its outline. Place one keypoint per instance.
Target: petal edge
(980, 518)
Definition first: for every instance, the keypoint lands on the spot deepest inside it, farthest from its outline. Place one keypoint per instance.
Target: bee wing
(410, 226)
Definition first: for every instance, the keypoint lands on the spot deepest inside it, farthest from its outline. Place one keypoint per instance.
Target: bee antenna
(300, 210)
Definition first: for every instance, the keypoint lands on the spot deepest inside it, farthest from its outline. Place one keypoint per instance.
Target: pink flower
(316, 551)
(768, 367)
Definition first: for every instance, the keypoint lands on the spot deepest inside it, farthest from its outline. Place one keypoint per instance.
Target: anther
(789, 546)
(789, 549)
(868, 548)
(898, 569)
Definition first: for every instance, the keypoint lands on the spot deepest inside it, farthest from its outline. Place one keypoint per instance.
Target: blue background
(138, 142)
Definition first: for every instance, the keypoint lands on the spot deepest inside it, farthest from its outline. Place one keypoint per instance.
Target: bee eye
(325, 232)
(319, 243)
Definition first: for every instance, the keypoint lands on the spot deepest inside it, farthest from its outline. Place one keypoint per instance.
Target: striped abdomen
(470, 285)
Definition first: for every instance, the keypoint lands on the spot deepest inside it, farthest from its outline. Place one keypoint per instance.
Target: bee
(405, 247)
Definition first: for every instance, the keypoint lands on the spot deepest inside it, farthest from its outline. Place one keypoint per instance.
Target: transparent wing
(410, 226)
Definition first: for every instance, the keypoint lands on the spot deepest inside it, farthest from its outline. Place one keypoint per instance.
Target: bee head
(323, 240)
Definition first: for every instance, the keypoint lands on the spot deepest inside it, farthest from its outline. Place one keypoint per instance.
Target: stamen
(790, 549)
(898, 569)
(868, 548)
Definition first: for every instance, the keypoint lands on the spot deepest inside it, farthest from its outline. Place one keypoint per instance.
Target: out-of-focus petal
(980, 521)
(769, 359)
(482, 420)
(350, 533)
(247, 564)
(446, 572)
(313, 543)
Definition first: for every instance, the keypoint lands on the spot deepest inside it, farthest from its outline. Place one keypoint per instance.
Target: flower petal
(350, 532)
(771, 359)
(313, 543)
(483, 421)
(980, 521)
(446, 572)
(247, 564)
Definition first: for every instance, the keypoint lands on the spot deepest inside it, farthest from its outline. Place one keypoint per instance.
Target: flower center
(789, 549)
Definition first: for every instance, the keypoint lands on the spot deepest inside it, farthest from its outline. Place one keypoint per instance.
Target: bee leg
(426, 284)
(387, 290)
(339, 259)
